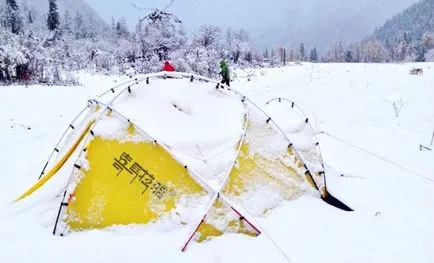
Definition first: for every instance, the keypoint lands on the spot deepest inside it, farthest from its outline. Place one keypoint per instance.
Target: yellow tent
(125, 176)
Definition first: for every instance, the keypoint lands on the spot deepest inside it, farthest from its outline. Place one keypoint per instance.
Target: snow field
(392, 221)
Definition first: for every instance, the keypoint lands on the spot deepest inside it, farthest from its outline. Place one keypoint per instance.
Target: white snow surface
(393, 217)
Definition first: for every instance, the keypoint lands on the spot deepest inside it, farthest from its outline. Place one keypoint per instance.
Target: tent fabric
(141, 181)
(264, 167)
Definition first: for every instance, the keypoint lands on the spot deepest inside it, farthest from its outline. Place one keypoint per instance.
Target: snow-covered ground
(393, 217)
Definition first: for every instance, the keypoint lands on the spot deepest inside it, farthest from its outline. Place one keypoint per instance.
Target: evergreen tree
(420, 53)
(302, 52)
(313, 55)
(53, 16)
(282, 55)
(30, 18)
(13, 17)
(266, 56)
(348, 56)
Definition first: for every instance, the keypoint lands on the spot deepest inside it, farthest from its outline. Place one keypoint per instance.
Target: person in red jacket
(168, 67)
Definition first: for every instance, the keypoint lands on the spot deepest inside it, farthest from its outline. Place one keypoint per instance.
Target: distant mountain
(72, 6)
(274, 22)
(408, 26)
(320, 23)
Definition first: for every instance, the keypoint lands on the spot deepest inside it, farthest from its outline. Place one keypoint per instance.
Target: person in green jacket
(224, 72)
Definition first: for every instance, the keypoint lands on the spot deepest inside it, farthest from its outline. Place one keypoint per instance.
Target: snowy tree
(203, 61)
(237, 44)
(79, 26)
(266, 55)
(13, 18)
(373, 52)
(204, 54)
(3, 17)
(122, 28)
(66, 23)
(160, 34)
(313, 55)
(291, 55)
(12, 56)
(53, 16)
(274, 58)
(336, 53)
(208, 36)
(421, 51)
(430, 55)
(428, 40)
(282, 55)
(348, 56)
(113, 24)
(30, 17)
(302, 52)
(357, 54)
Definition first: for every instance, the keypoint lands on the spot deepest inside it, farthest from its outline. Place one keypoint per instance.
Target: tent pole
(60, 140)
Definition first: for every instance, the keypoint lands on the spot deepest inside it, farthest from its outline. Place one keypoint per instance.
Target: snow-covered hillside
(356, 104)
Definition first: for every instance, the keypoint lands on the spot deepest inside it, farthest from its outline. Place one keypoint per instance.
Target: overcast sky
(196, 12)
(271, 22)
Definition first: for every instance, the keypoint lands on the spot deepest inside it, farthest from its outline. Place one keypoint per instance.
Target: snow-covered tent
(175, 149)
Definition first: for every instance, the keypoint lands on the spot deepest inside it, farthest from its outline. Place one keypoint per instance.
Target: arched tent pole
(148, 76)
(129, 82)
(325, 196)
(76, 166)
(56, 149)
(72, 123)
(217, 194)
(294, 105)
(64, 158)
